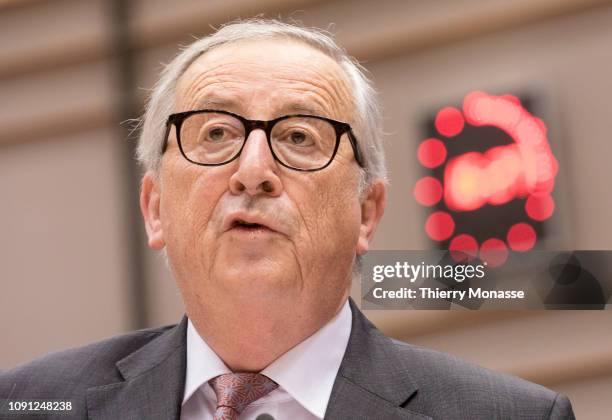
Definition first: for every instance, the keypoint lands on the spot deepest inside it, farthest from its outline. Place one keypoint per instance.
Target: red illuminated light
(503, 173)
(494, 252)
(521, 237)
(428, 191)
(463, 182)
(449, 121)
(463, 248)
(540, 207)
(538, 165)
(439, 226)
(431, 153)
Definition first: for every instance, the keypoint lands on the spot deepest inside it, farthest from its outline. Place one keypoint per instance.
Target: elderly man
(264, 184)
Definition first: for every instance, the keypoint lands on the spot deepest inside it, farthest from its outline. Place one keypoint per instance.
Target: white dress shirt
(305, 375)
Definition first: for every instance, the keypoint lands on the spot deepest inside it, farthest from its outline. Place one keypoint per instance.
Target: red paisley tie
(237, 390)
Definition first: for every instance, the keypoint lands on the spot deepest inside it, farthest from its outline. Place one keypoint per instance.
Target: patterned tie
(237, 390)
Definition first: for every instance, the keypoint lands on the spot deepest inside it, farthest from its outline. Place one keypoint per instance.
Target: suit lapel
(372, 382)
(154, 380)
(373, 379)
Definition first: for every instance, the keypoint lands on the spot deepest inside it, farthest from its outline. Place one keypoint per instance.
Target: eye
(297, 137)
(216, 134)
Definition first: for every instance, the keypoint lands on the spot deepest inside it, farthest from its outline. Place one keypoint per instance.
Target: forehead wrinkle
(193, 87)
(330, 88)
(332, 80)
(195, 82)
(233, 96)
(321, 106)
(199, 95)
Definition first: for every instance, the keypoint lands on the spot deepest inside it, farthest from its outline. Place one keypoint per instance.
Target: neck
(248, 337)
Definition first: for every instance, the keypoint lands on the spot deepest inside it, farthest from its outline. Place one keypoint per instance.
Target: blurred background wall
(74, 265)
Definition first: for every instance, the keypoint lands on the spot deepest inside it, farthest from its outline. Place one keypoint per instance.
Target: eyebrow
(228, 104)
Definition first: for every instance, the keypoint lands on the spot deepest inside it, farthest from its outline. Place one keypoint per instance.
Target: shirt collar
(307, 371)
(203, 364)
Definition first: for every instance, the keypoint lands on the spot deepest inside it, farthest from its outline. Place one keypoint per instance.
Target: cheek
(189, 197)
(332, 214)
(332, 243)
(345, 218)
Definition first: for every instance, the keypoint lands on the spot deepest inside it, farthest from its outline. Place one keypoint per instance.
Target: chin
(253, 248)
(256, 279)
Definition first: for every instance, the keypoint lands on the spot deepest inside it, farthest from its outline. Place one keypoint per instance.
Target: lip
(265, 222)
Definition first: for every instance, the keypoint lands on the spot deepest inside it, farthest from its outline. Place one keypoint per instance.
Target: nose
(257, 170)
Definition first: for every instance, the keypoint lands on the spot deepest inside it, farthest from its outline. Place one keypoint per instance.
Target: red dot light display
(522, 169)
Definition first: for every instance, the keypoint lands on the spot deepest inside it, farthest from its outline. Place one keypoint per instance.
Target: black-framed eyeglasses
(212, 137)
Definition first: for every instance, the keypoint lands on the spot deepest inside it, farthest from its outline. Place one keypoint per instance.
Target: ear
(372, 209)
(149, 206)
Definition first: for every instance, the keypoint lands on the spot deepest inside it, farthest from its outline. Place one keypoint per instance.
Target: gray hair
(368, 121)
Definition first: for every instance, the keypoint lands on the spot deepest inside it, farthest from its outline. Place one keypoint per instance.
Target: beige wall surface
(62, 278)
(65, 269)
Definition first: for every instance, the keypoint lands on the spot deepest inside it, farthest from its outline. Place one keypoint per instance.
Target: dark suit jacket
(141, 375)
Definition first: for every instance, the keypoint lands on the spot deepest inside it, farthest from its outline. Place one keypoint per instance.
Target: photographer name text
(437, 293)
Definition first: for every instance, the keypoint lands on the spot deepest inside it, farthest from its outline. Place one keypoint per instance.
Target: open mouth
(243, 225)
(259, 225)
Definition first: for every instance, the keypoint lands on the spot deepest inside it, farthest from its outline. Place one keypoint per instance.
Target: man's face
(311, 224)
